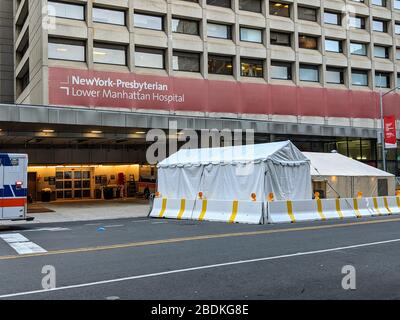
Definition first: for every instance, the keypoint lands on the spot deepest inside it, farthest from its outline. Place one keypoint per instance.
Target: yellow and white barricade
(379, 206)
(393, 205)
(172, 208)
(236, 211)
(362, 207)
(292, 211)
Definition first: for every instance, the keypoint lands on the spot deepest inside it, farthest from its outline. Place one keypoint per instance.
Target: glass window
(250, 35)
(220, 65)
(305, 13)
(279, 9)
(334, 75)
(220, 3)
(218, 31)
(396, 4)
(382, 80)
(332, 18)
(397, 53)
(109, 54)
(65, 10)
(380, 3)
(149, 58)
(397, 28)
(307, 42)
(250, 5)
(148, 22)
(381, 52)
(280, 38)
(358, 48)
(185, 61)
(252, 68)
(66, 50)
(109, 16)
(359, 78)
(185, 26)
(333, 45)
(309, 73)
(379, 25)
(281, 70)
(357, 22)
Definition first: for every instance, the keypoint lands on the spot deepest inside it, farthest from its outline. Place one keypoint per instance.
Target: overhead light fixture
(48, 131)
(99, 53)
(97, 132)
(140, 132)
(62, 49)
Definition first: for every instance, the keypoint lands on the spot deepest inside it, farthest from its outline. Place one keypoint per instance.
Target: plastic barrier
(228, 211)
(292, 211)
(362, 207)
(394, 205)
(172, 208)
(347, 207)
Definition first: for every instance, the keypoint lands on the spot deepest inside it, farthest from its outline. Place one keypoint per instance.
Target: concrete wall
(6, 52)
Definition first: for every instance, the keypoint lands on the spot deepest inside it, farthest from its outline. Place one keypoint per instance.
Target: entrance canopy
(346, 177)
(234, 173)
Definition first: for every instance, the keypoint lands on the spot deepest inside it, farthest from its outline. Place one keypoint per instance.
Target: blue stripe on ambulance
(7, 192)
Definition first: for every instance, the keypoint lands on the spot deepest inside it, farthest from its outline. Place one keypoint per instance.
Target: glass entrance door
(73, 184)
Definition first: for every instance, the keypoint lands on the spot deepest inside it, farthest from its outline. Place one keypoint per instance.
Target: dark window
(280, 38)
(307, 42)
(220, 3)
(185, 61)
(185, 26)
(250, 5)
(279, 9)
(220, 65)
(305, 13)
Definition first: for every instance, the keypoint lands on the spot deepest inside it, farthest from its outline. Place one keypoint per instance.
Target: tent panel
(288, 182)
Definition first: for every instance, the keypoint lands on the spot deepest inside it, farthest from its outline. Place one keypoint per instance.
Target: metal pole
(383, 131)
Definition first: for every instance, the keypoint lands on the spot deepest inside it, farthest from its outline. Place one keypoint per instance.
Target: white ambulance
(13, 186)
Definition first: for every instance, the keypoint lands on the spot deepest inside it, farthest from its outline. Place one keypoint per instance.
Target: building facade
(6, 52)
(92, 77)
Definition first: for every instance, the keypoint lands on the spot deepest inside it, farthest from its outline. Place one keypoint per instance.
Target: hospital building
(83, 81)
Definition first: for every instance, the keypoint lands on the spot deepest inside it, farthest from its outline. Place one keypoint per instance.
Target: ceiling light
(97, 132)
(99, 53)
(62, 50)
(140, 132)
(48, 131)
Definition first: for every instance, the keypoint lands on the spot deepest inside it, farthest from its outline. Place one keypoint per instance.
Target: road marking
(198, 238)
(93, 224)
(211, 266)
(161, 222)
(114, 226)
(21, 244)
(46, 229)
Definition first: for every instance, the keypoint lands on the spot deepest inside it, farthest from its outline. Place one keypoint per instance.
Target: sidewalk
(89, 210)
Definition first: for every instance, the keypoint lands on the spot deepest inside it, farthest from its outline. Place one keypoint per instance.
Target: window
(305, 13)
(252, 68)
(109, 16)
(380, 3)
(358, 48)
(220, 65)
(334, 75)
(148, 22)
(398, 79)
(357, 22)
(333, 45)
(379, 25)
(396, 4)
(149, 58)
(185, 26)
(250, 35)
(397, 28)
(279, 9)
(397, 53)
(65, 10)
(382, 80)
(307, 42)
(381, 52)
(185, 61)
(359, 78)
(250, 5)
(222, 31)
(332, 18)
(220, 3)
(109, 54)
(309, 73)
(281, 70)
(61, 49)
(280, 38)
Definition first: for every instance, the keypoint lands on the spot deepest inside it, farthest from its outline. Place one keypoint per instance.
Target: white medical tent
(234, 173)
(346, 177)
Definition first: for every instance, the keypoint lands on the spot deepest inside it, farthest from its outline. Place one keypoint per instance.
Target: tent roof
(284, 153)
(335, 164)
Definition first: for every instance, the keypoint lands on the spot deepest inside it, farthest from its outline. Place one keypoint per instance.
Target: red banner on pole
(390, 132)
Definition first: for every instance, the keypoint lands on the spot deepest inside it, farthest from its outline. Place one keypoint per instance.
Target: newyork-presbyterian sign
(74, 87)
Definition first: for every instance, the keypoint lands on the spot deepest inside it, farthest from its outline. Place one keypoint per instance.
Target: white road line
(151, 275)
(93, 224)
(114, 226)
(21, 244)
(46, 229)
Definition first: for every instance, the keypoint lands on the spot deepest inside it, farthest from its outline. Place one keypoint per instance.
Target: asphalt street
(167, 259)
